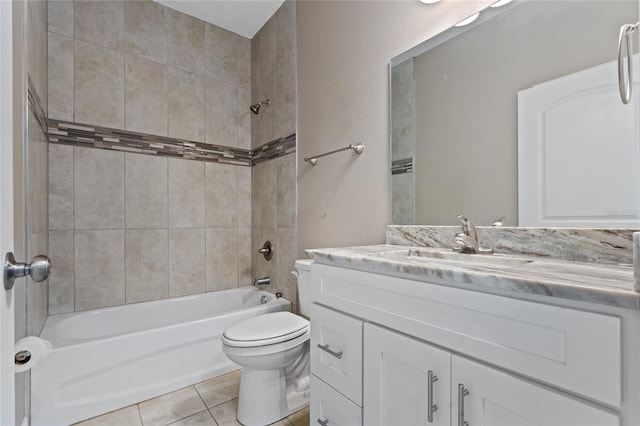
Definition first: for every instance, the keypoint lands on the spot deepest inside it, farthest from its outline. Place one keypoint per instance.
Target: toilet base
(266, 396)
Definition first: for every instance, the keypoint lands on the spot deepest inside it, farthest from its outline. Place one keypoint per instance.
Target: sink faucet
(467, 240)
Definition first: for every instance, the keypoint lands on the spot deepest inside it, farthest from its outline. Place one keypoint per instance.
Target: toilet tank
(303, 267)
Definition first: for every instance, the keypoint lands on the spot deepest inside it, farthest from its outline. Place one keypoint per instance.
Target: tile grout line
(213, 417)
(190, 415)
(168, 236)
(204, 222)
(73, 192)
(124, 220)
(200, 396)
(206, 229)
(237, 256)
(139, 414)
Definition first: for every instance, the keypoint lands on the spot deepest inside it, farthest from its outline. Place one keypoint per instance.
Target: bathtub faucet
(262, 281)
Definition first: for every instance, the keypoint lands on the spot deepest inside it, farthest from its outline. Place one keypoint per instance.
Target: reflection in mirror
(454, 113)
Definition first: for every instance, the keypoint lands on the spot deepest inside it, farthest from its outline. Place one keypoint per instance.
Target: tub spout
(262, 281)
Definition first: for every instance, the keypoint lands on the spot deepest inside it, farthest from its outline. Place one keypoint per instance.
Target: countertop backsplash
(605, 245)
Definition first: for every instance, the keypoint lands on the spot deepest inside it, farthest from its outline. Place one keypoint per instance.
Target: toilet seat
(265, 330)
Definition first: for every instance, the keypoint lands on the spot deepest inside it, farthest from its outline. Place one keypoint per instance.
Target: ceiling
(244, 17)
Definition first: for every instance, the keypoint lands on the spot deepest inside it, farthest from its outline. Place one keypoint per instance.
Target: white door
(578, 152)
(7, 375)
(407, 382)
(495, 398)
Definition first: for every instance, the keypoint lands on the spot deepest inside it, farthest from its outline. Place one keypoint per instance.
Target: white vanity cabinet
(404, 377)
(423, 345)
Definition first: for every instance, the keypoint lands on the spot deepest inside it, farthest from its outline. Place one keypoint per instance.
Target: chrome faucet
(262, 281)
(467, 240)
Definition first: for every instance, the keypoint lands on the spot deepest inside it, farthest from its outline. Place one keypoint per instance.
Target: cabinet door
(496, 398)
(329, 407)
(397, 388)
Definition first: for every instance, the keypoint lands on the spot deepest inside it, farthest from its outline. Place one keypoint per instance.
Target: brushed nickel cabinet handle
(329, 351)
(431, 407)
(462, 392)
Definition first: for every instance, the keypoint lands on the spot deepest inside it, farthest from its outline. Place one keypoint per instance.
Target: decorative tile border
(67, 133)
(399, 167)
(274, 149)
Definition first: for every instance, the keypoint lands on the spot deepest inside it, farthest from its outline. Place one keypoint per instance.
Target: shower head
(255, 108)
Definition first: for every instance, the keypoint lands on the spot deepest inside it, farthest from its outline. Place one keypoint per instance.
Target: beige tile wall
(130, 228)
(140, 66)
(273, 76)
(273, 182)
(36, 165)
(124, 227)
(170, 227)
(30, 38)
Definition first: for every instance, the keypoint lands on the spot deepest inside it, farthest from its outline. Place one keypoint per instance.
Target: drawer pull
(324, 422)
(431, 407)
(329, 351)
(462, 392)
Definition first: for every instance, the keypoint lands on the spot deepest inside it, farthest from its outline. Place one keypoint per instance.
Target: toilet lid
(266, 329)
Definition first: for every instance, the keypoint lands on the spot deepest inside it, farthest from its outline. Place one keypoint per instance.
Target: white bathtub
(112, 357)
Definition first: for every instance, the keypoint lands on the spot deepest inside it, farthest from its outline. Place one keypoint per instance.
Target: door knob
(38, 269)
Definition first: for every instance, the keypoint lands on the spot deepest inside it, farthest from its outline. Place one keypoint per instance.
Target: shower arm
(358, 148)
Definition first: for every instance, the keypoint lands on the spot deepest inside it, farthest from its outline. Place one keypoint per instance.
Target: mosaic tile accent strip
(399, 167)
(274, 149)
(35, 105)
(67, 133)
(119, 140)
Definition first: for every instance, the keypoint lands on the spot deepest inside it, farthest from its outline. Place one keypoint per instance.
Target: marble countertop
(601, 283)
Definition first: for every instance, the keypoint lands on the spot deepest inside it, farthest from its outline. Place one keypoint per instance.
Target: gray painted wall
(344, 49)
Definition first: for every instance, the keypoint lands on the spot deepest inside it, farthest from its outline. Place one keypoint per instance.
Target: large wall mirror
(521, 74)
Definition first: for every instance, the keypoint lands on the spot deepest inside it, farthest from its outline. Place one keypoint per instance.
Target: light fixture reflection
(467, 21)
(429, 1)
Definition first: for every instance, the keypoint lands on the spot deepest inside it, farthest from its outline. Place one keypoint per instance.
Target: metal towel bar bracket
(358, 148)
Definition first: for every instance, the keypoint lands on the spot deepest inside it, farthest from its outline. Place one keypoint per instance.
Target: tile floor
(210, 403)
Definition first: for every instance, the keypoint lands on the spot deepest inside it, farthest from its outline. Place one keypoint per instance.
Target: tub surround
(138, 78)
(273, 183)
(599, 271)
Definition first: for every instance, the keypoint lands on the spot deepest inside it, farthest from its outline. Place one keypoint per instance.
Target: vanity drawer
(571, 349)
(336, 351)
(329, 404)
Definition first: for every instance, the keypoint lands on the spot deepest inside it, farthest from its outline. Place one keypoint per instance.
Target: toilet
(273, 351)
